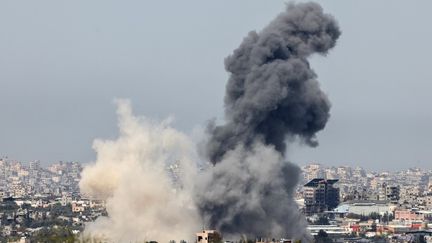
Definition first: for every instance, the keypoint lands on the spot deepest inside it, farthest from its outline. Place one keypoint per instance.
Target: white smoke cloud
(130, 174)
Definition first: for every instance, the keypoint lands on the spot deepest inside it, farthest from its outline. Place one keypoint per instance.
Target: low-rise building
(413, 215)
(208, 236)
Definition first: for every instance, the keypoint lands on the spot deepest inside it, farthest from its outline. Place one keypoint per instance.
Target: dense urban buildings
(35, 199)
(373, 205)
(344, 202)
(19, 180)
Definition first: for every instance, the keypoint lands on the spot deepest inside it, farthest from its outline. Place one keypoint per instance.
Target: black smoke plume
(272, 92)
(272, 96)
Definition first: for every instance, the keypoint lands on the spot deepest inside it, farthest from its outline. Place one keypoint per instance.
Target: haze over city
(62, 65)
(225, 122)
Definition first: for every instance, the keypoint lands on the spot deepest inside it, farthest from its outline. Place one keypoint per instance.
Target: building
(320, 195)
(78, 207)
(413, 215)
(408, 215)
(365, 207)
(333, 230)
(389, 193)
(208, 236)
(428, 202)
(313, 171)
(430, 184)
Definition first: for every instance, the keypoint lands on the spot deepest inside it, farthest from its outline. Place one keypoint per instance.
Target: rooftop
(316, 181)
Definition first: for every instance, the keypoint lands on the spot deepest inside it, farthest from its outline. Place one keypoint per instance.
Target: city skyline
(245, 121)
(399, 203)
(47, 164)
(74, 67)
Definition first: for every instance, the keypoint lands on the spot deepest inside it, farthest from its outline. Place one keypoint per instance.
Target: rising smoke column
(130, 174)
(272, 96)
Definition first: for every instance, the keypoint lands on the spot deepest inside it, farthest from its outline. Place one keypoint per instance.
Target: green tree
(374, 215)
(322, 220)
(322, 237)
(61, 234)
(373, 227)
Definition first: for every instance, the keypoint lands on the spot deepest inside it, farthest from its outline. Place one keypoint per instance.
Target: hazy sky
(63, 62)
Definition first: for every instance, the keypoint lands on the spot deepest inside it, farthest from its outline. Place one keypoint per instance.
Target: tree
(322, 220)
(422, 239)
(385, 218)
(216, 238)
(373, 227)
(322, 237)
(60, 234)
(374, 215)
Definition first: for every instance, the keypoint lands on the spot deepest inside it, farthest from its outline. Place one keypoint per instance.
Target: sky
(62, 63)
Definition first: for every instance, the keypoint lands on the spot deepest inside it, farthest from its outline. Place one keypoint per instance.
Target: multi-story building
(344, 172)
(389, 193)
(19, 180)
(320, 195)
(430, 184)
(428, 202)
(313, 171)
